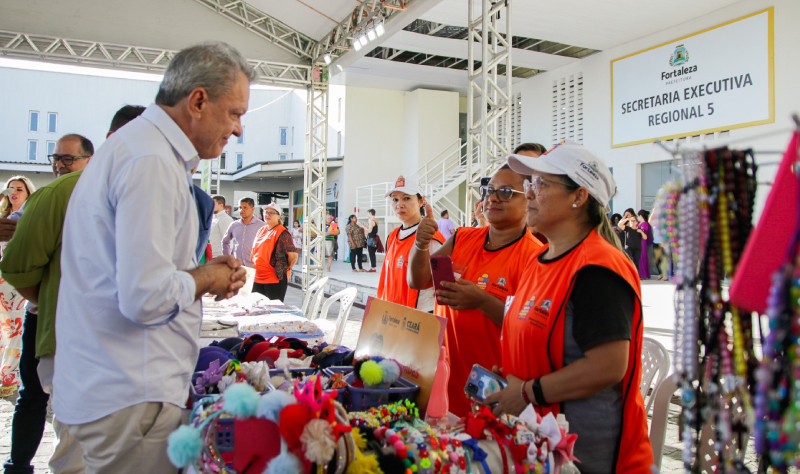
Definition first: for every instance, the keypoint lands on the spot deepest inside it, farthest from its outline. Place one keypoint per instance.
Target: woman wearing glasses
(489, 260)
(572, 336)
(406, 201)
(273, 255)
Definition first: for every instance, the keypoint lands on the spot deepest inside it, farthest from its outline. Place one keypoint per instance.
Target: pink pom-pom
(399, 446)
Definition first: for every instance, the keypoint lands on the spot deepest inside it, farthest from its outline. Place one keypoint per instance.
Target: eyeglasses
(535, 184)
(66, 159)
(503, 194)
(271, 213)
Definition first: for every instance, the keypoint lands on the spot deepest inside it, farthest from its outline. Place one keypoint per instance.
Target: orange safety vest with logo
(393, 284)
(533, 338)
(473, 338)
(264, 244)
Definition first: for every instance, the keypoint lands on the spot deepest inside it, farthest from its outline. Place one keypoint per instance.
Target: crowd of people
(114, 258)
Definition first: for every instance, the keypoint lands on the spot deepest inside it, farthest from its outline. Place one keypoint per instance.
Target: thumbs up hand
(427, 227)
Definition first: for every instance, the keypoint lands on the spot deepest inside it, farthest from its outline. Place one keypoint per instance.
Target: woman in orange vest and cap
(407, 203)
(489, 261)
(572, 336)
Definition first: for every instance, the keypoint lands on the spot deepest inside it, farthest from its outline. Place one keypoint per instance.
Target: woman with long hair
(643, 217)
(273, 256)
(357, 241)
(297, 236)
(489, 261)
(22, 189)
(572, 336)
(373, 241)
(407, 203)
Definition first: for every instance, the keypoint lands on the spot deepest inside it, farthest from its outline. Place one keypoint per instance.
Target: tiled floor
(657, 298)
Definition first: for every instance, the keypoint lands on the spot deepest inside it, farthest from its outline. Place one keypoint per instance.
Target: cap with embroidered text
(575, 161)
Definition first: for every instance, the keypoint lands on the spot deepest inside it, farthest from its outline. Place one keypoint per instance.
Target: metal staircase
(438, 177)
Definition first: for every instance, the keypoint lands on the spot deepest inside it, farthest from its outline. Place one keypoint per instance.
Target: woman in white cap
(572, 336)
(274, 255)
(407, 203)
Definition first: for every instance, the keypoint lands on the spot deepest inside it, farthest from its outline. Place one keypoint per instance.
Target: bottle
(438, 406)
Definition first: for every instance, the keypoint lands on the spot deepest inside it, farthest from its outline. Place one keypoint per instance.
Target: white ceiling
(314, 18)
(168, 24)
(381, 74)
(596, 24)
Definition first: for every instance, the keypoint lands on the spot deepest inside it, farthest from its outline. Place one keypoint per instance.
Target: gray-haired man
(129, 314)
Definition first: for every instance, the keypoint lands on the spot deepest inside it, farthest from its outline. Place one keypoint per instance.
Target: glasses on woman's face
(271, 214)
(504, 194)
(537, 183)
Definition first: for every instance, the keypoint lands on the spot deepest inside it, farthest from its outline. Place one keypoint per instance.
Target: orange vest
(393, 285)
(264, 244)
(533, 338)
(473, 338)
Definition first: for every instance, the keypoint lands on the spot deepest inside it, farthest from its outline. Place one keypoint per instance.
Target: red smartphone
(442, 270)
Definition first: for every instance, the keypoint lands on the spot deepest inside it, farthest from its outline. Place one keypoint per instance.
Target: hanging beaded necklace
(714, 206)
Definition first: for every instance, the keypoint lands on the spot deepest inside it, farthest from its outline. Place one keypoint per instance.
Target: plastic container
(361, 399)
(195, 397)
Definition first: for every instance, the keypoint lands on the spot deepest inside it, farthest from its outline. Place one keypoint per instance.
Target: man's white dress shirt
(127, 323)
(219, 225)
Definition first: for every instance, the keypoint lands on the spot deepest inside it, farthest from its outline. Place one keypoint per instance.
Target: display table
(243, 316)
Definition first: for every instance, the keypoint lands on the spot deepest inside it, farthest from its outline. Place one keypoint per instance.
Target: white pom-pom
(318, 442)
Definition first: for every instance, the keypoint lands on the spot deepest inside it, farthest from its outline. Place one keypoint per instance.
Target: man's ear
(197, 102)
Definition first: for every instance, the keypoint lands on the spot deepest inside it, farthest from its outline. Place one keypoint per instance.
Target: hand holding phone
(442, 270)
(483, 382)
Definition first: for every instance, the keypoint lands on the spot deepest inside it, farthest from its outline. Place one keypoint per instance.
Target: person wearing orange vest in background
(572, 336)
(407, 203)
(489, 260)
(273, 255)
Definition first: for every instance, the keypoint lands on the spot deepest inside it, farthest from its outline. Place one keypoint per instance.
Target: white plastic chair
(655, 365)
(312, 292)
(346, 298)
(658, 424)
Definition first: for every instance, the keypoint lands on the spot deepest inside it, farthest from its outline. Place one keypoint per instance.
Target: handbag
(372, 243)
(362, 258)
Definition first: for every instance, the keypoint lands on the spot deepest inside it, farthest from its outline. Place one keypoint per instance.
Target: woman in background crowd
(643, 218)
(631, 236)
(357, 241)
(297, 236)
(572, 336)
(407, 203)
(372, 239)
(273, 255)
(489, 261)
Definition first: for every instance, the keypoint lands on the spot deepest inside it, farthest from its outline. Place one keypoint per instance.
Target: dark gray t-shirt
(600, 309)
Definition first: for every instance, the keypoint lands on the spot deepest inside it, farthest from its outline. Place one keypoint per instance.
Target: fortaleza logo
(590, 168)
(389, 319)
(679, 57)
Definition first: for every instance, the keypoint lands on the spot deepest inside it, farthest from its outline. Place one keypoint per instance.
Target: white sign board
(717, 79)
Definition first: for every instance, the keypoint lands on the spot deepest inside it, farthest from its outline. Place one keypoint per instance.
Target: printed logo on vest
(527, 307)
(400, 262)
(501, 281)
(546, 305)
(483, 281)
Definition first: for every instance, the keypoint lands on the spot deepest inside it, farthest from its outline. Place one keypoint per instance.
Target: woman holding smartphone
(632, 235)
(572, 337)
(489, 260)
(407, 203)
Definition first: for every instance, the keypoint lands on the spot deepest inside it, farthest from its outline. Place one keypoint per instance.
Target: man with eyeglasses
(32, 264)
(72, 153)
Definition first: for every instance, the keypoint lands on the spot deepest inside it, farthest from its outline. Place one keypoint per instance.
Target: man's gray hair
(212, 65)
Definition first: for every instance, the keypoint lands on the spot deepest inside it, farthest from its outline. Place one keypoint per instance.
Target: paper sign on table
(410, 336)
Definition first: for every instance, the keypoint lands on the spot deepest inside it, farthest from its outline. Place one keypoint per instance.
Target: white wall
(430, 123)
(86, 103)
(536, 98)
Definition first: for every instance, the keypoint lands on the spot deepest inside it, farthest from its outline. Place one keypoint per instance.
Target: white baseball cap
(274, 206)
(405, 185)
(576, 162)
